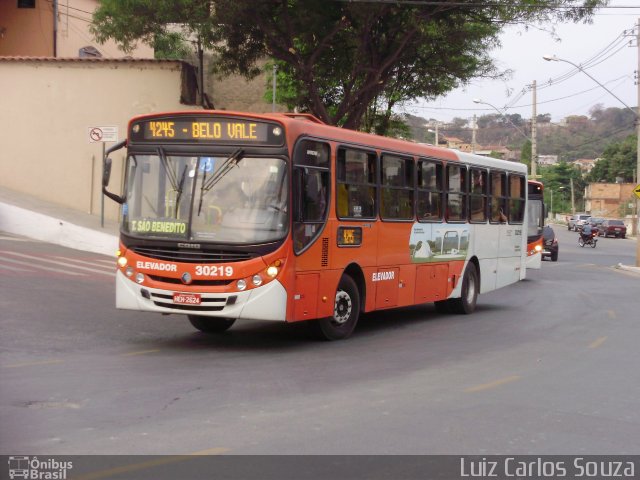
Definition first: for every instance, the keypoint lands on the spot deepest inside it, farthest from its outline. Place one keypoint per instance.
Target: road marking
(55, 262)
(42, 267)
(15, 269)
(33, 364)
(135, 467)
(15, 239)
(598, 342)
(142, 352)
(490, 385)
(110, 268)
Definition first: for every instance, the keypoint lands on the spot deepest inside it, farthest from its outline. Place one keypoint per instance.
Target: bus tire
(346, 311)
(469, 295)
(211, 324)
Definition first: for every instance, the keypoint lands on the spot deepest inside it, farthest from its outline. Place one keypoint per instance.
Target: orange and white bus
(535, 223)
(230, 216)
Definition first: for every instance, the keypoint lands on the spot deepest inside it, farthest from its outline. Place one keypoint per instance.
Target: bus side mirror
(106, 172)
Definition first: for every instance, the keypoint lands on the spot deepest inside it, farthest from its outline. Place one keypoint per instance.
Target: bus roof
(300, 124)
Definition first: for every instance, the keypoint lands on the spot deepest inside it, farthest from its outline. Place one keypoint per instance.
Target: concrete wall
(47, 109)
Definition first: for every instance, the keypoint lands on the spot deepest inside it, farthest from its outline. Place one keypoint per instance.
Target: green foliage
(341, 56)
(619, 160)
(171, 46)
(557, 178)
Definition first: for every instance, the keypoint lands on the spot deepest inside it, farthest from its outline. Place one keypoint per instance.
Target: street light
(532, 139)
(477, 100)
(553, 58)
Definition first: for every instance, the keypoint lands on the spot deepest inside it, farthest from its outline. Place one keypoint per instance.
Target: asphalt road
(546, 366)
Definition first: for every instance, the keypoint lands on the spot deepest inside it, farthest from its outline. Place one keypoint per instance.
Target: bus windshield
(231, 199)
(535, 212)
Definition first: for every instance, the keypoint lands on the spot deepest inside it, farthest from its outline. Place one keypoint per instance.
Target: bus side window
(498, 199)
(356, 177)
(430, 181)
(478, 196)
(516, 198)
(456, 193)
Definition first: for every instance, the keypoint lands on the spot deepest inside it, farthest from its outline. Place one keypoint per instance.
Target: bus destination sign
(203, 130)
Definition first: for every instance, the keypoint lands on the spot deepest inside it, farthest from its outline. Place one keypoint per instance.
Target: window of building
(456, 193)
(397, 188)
(478, 199)
(430, 181)
(356, 184)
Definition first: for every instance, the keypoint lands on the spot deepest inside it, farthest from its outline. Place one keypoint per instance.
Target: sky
(615, 64)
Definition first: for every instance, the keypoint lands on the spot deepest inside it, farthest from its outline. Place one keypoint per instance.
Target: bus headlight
(242, 284)
(256, 280)
(139, 277)
(272, 271)
(129, 272)
(122, 262)
(538, 248)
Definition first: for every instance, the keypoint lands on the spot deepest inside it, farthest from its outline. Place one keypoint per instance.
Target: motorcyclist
(586, 232)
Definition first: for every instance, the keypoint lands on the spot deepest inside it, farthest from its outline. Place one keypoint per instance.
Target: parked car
(577, 221)
(595, 222)
(615, 228)
(550, 245)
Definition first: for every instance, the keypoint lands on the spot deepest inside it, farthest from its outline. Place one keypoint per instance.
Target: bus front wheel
(469, 295)
(346, 311)
(211, 324)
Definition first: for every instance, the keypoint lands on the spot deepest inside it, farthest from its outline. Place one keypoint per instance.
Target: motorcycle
(588, 239)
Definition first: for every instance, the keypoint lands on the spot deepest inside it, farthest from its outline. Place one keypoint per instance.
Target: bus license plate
(186, 298)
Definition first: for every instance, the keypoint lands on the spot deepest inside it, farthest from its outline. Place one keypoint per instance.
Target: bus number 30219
(214, 271)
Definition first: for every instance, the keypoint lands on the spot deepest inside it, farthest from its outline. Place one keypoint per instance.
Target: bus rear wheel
(346, 311)
(469, 295)
(211, 324)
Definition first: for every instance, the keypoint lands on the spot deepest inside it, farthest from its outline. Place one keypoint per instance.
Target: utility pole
(275, 71)
(473, 135)
(573, 198)
(634, 224)
(534, 141)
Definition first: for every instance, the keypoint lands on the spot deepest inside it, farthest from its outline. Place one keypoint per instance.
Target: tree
(618, 161)
(342, 55)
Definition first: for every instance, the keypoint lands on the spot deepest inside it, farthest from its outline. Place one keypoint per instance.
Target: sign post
(102, 134)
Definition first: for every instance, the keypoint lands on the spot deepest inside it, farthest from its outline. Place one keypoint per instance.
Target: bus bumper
(534, 261)
(268, 302)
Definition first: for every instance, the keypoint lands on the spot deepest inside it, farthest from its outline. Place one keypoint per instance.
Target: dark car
(595, 222)
(549, 244)
(615, 228)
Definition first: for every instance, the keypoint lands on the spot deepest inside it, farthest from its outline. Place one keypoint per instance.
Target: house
(585, 164)
(609, 199)
(28, 29)
(547, 159)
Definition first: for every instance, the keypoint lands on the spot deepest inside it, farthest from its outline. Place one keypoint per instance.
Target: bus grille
(178, 255)
(207, 305)
(202, 283)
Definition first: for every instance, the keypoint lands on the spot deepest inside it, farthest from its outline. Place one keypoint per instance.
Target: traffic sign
(103, 134)
(637, 190)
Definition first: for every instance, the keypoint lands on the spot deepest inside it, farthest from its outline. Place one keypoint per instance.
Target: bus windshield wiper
(179, 188)
(225, 168)
(170, 173)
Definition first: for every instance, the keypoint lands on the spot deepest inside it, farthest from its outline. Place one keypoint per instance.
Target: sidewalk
(24, 215)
